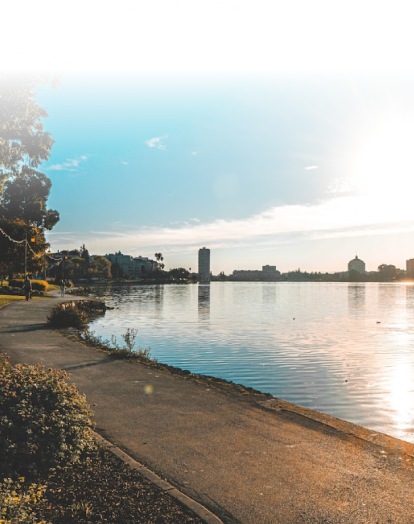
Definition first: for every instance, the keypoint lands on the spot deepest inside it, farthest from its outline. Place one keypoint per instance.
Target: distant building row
(359, 266)
(132, 267)
(268, 273)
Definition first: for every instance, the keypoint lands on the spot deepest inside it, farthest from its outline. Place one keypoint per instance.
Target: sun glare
(401, 397)
(383, 165)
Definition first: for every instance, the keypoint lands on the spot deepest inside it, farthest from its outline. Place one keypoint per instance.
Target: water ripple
(344, 349)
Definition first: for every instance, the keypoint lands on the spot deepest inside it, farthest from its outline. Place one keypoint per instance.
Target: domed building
(356, 265)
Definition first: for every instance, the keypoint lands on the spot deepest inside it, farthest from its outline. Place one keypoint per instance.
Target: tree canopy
(24, 191)
(22, 135)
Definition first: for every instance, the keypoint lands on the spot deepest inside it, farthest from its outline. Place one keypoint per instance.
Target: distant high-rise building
(357, 265)
(410, 268)
(204, 264)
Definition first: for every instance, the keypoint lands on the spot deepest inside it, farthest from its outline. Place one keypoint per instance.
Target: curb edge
(202, 512)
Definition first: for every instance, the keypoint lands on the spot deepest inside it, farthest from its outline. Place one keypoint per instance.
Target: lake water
(343, 349)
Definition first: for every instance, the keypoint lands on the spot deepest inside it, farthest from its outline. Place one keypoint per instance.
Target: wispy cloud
(71, 164)
(309, 168)
(123, 162)
(156, 142)
(339, 185)
(344, 216)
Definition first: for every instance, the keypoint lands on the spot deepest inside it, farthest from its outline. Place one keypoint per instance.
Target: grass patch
(7, 299)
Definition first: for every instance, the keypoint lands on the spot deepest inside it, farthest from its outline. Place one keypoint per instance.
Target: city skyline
(290, 147)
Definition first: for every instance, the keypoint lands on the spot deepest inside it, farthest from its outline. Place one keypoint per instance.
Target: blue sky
(272, 135)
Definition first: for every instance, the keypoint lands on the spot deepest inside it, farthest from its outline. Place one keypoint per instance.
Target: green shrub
(18, 502)
(67, 314)
(37, 285)
(44, 421)
(127, 351)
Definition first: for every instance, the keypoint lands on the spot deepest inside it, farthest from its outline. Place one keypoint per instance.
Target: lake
(346, 349)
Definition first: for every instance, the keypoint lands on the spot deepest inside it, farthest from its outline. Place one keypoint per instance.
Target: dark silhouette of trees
(179, 273)
(117, 271)
(159, 258)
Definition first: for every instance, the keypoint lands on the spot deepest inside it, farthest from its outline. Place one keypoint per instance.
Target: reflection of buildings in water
(268, 293)
(204, 301)
(386, 295)
(356, 297)
(158, 301)
(409, 296)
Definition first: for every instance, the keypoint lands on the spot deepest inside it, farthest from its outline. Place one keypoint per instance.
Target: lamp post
(44, 262)
(25, 257)
(32, 240)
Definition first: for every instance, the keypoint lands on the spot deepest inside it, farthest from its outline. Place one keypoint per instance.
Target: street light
(32, 240)
(44, 261)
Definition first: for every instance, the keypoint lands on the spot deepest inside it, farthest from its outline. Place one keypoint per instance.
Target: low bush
(18, 502)
(91, 307)
(37, 285)
(128, 351)
(67, 314)
(44, 421)
(76, 313)
(6, 290)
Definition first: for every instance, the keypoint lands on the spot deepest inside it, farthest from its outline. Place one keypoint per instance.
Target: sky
(272, 132)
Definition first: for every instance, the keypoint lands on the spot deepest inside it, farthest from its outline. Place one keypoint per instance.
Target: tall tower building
(410, 268)
(204, 264)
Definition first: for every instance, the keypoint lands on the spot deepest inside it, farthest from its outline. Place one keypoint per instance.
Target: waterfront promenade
(247, 458)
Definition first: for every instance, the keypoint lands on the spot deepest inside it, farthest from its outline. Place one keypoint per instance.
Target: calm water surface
(344, 349)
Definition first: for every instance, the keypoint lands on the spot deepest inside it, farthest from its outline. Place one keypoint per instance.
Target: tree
(25, 196)
(75, 268)
(22, 136)
(84, 253)
(23, 190)
(117, 271)
(99, 267)
(179, 273)
(159, 258)
(387, 272)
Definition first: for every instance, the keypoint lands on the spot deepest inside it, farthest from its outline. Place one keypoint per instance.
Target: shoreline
(265, 401)
(248, 458)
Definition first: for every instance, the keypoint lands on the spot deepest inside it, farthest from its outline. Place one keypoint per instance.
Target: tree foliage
(24, 191)
(99, 267)
(179, 273)
(160, 259)
(25, 196)
(22, 134)
(78, 268)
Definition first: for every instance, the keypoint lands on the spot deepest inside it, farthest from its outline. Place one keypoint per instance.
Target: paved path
(247, 459)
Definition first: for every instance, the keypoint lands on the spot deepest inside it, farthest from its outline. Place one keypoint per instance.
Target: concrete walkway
(247, 459)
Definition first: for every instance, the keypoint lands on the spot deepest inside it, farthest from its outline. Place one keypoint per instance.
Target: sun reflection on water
(401, 399)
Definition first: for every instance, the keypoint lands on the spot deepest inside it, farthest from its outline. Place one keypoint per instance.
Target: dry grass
(7, 299)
